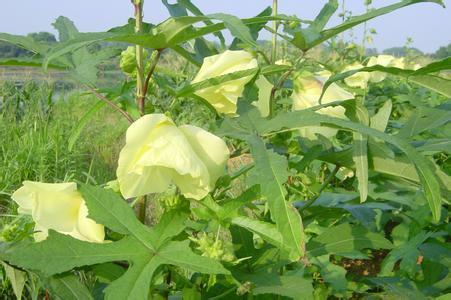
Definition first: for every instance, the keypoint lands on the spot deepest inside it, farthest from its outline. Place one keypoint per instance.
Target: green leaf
(440, 145)
(52, 256)
(108, 208)
(60, 253)
(325, 14)
(266, 231)
(400, 166)
(345, 238)
(243, 242)
(360, 151)
(84, 63)
(25, 42)
(17, 279)
(168, 34)
(28, 62)
(436, 66)
(331, 273)
(420, 76)
(292, 285)
(424, 118)
(398, 288)
(134, 284)
(66, 28)
(189, 89)
(68, 287)
(180, 254)
(298, 119)
(171, 224)
(192, 88)
(231, 208)
(236, 27)
(197, 12)
(254, 28)
(271, 172)
(354, 21)
(404, 250)
(71, 45)
(380, 120)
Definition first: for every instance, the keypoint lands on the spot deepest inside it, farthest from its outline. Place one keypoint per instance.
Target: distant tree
(402, 51)
(45, 37)
(443, 52)
(10, 51)
(371, 51)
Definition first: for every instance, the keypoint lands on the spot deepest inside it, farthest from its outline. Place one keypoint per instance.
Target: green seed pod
(9, 233)
(215, 248)
(128, 60)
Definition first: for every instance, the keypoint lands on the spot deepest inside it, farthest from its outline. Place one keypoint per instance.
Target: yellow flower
(158, 153)
(381, 60)
(60, 207)
(307, 92)
(283, 62)
(398, 63)
(359, 79)
(223, 97)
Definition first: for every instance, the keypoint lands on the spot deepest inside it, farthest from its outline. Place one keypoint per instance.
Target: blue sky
(428, 24)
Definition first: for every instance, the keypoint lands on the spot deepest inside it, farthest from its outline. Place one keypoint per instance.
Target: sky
(428, 24)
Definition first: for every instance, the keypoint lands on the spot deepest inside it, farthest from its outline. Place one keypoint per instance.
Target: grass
(35, 127)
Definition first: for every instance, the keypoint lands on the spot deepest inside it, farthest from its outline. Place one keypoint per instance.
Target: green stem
(280, 84)
(151, 70)
(365, 32)
(142, 205)
(140, 83)
(323, 186)
(140, 88)
(275, 24)
(110, 103)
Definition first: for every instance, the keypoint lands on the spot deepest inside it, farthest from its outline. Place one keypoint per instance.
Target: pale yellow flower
(381, 60)
(223, 97)
(398, 63)
(283, 62)
(158, 153)
(307, 93)
(60, 207)
(359, 79)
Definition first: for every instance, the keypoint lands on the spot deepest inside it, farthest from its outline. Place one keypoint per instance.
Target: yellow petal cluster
(60, 207)
(157, 153)
(359, 79)
(381, 60)
(307, 92)
(385, 61)
(223, 97)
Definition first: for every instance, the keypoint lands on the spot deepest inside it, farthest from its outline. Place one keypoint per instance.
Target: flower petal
(223, 97)
(148, 166)
(264, 95)
(89, 230)
(212, 151)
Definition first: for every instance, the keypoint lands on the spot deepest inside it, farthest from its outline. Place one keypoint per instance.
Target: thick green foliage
(359, 214)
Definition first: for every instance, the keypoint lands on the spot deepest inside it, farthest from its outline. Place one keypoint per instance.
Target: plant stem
(140, 95)
(365, 32)
(142, 205)
(275, 24)
(280, 84)
(322, 187)
(151, 70)
(110, 103)
(140, 86)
